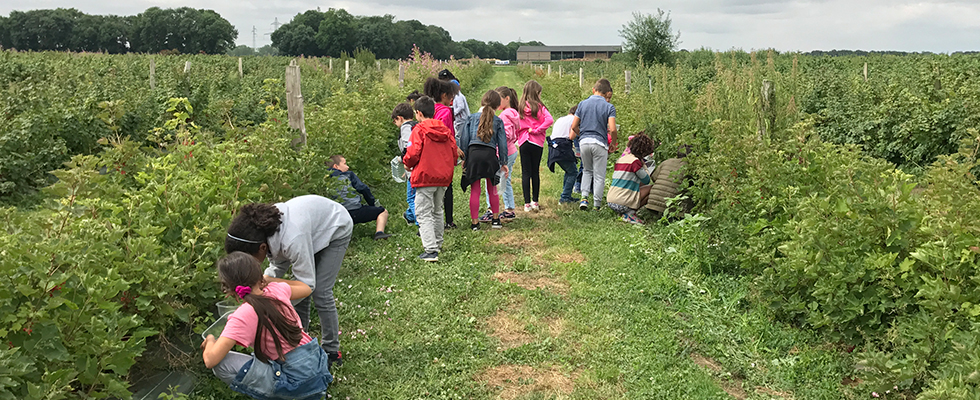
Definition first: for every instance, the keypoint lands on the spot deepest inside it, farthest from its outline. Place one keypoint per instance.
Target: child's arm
(573, 133)
(215, 350)
(545, 121)
(501, 138)
(298, 290)
(362, 188)
(414, 150)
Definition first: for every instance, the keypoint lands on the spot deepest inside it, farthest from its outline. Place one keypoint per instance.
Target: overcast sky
(804, 25)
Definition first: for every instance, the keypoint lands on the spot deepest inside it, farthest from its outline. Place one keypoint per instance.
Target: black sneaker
(475, 226)
(450, 225)
(409, 221)
(381, 235)
(430, 257)
(508, 215)
(496, 224)
(334, 358)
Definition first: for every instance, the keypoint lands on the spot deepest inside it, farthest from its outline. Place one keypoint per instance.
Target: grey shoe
(430, 257)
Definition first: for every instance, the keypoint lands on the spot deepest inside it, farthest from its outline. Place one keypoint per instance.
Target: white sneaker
(527, 208)
(534, 206)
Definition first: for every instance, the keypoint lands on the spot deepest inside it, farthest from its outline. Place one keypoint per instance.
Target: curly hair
(252, 226)
(641, 145)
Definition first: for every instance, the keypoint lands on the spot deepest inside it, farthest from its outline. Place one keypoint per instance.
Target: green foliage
(185, 30)
(649, 38)
(121, 248)
(834, 239)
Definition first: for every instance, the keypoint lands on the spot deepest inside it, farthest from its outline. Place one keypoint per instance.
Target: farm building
(552, 53)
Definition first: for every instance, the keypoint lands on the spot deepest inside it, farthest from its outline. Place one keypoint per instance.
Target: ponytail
(489, 102)
(239, 272)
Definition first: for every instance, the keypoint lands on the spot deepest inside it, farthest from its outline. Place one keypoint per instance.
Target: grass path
(560, 304)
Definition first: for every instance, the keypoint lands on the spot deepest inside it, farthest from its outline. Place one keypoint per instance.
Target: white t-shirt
(562, 127)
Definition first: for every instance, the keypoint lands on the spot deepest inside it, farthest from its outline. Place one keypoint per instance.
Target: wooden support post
(865, 72)
(401, 75)
(549, 69)
(559, 71)
(241, 72)
(330, 64)
(628, 76)
(187, 67)
(379, 65)
(767, 108)
(581, 77)
(294, 104)
(153, 74)
(346, 70)
(650, 83)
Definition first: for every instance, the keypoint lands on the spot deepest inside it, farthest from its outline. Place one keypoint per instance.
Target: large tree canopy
(335, 31)
(184, 29)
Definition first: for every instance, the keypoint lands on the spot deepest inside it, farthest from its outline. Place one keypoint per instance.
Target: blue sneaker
(584, 205)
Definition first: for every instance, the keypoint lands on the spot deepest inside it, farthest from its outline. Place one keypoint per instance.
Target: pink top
(533, 129)
(444, 113)
(512, 123)
(242, 323)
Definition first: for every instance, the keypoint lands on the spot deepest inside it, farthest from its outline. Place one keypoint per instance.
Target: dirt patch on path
(533, 281)
(509, 330)
(515, 381)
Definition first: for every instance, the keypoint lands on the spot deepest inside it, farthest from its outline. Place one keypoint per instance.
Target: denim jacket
(304, 375)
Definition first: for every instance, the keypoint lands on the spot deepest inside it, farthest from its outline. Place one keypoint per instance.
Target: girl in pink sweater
(535, 121)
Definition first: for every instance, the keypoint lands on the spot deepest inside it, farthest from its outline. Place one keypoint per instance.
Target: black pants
(530, 176)
(448, 205)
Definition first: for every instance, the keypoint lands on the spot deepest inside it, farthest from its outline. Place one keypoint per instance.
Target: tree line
(335, 31)
(184, 29)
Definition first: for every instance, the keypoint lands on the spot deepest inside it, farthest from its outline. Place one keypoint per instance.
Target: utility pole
(254, 46)
(276, 25)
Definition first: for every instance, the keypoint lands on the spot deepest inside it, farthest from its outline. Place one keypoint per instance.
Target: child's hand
(506, 170)
(207, 342)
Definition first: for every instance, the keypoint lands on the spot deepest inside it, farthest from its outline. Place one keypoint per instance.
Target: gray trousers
(429, 214)
(228, 368)
(594, 159)
(327, 264)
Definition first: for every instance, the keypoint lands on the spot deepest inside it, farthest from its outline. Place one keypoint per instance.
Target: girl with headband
(287, 362)
(311, 234)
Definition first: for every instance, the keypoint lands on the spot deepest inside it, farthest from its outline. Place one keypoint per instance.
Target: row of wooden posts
(294, 95)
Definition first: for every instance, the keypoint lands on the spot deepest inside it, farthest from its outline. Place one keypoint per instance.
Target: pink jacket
(512, 123)
(533, 129)
(444, 113)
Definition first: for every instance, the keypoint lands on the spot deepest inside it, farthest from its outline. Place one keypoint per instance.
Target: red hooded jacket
(432, 155)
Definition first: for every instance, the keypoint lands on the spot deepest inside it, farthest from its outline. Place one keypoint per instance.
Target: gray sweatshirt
(309, 224)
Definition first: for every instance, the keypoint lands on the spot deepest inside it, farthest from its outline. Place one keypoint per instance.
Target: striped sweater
(628, 176)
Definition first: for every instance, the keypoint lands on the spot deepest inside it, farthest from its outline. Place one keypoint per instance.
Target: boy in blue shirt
(595, 126)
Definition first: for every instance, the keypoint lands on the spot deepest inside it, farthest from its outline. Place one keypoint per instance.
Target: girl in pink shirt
(268, 323)
(535, 121)
(512, 122)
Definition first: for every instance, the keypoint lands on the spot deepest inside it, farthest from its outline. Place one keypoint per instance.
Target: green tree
(336, 33)
(241, 51)
(650, 38)
(267, 50)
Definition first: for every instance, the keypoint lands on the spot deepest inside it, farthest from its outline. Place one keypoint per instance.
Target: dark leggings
(448, 203)
(530, 176)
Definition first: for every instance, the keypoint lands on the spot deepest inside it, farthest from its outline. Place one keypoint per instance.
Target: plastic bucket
(227, 306)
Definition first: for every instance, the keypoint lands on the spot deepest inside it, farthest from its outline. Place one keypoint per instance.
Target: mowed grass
(561, 304)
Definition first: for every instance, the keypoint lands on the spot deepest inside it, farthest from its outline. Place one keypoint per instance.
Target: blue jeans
(570, 173)
(508, 188)
(410, 198)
